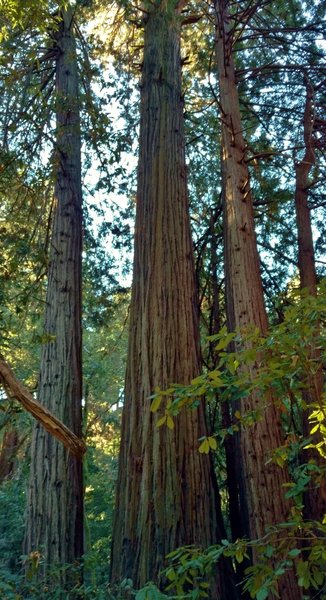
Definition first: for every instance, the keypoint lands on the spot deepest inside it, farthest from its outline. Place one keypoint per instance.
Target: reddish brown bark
(7, 453)
(54, 523)
(315, 498)
(165, 494)
(306, 258)
(261, 495)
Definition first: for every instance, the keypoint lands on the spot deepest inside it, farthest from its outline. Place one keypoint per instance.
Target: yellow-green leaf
(314, 429)
(171, 574)
(214, 375)
(169, 422)
(197, 380)
(202, 390)
(224, 342)
(156, 403)
(161, 421)
(212, 443)
(279, 460)
(204, 447)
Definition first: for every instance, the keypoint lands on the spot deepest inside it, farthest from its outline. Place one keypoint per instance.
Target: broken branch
(53, 425)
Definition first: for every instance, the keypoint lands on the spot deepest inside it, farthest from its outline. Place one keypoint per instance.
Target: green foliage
(294, 544)
(17, 14)
(150, 592)
(105, 349)
(12, 499)
(100, 476)
(284, 361)
(18, 587)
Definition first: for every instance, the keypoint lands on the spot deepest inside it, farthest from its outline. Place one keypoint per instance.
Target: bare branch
(53, 425)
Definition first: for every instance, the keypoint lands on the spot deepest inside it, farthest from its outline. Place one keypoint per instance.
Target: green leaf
(169, 422)
(303, 573)
(224, 342)
(233, 366)
(204, 447)
(212, 442)
(269, 551)
(171, 574)
(262, 594)
(197, 380)
(156, 403)
(215, 378)
(318, 576)
(202, 390)
(314, 429)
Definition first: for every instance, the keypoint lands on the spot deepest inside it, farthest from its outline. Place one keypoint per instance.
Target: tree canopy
(162, 287)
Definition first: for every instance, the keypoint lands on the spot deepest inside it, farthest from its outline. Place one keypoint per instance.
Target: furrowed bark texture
(54, 523)
(261, 496)
(306, 259)
(7, 453)
(165, 498)
(315, 497)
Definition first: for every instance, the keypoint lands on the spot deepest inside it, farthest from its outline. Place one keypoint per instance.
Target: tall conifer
(54, 519)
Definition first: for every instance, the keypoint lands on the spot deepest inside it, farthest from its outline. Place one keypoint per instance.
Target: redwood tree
(54, 519)
(315, 503)
(306, 259)
(165, 493)
(261, 495)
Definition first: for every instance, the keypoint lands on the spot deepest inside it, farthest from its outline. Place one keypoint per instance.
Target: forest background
(276, 50)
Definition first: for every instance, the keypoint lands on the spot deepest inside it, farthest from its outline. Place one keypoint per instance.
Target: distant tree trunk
(315, 500)
(230, 448)
(54, 520)
(7, 453)
(306, 258)
(165, 495)
(261, 495)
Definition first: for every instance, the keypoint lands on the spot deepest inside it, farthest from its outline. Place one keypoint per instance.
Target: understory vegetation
(162, 300)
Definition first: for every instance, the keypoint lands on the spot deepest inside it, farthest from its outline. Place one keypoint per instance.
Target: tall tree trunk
(7, 453)
(54, 520)
(165, 497)
(261, 495)
(306, 258)
(232, 483)
(315, 500)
